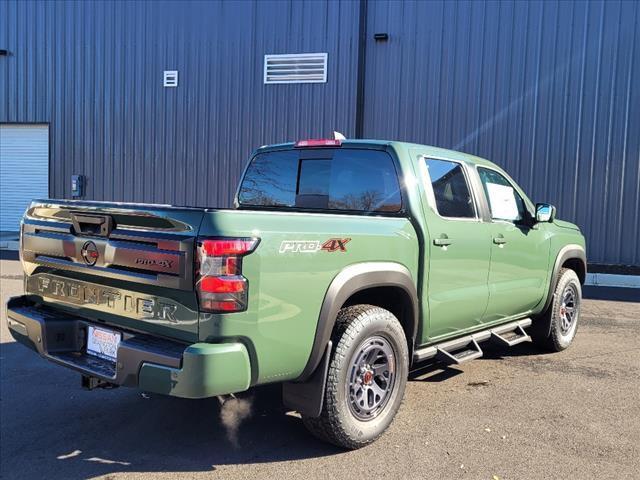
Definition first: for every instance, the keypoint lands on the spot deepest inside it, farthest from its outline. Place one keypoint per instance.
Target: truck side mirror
(545, 212)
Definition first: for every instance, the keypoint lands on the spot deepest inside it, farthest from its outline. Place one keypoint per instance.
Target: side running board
(509, 339)
(453, 354)
(467, 348)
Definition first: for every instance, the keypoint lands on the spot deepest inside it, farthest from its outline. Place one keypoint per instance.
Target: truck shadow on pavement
(51, 428)
(498, 352)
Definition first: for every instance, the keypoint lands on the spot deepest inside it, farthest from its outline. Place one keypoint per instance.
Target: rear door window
(450, 189)
(323, 179)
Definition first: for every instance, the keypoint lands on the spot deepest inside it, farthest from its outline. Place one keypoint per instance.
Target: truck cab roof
(428, 150)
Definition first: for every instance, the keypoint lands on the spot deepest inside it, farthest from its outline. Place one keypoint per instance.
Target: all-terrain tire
(554, 330)
(360, 329)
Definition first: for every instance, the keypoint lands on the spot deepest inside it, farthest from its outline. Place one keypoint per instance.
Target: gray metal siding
(548, 90)
(94, 71)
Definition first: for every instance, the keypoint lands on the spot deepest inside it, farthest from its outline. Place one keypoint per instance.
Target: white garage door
(24, 170)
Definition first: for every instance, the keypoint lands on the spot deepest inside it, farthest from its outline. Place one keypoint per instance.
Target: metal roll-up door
(24, 170)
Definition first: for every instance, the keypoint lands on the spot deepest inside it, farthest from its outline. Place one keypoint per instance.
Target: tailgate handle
(99, 225)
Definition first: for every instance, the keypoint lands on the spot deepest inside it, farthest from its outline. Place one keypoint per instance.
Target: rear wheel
(366, 379)
(557, 327)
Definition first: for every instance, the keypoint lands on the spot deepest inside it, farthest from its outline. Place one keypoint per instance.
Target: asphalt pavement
(514, 414)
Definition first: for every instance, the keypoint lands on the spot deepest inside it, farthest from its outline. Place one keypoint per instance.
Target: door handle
(499, 240)
(443, 241)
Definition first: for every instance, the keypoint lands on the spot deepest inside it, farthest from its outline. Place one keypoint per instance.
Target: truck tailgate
(129, 265)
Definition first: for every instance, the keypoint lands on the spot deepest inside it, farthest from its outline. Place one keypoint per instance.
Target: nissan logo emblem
(90, 253)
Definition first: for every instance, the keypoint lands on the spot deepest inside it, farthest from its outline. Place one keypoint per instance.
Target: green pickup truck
(344, 264)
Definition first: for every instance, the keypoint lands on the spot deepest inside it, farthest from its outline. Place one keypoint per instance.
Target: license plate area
(103, 343)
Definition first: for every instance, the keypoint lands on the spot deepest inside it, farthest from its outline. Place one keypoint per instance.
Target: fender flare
(350, 280)
(572, 251)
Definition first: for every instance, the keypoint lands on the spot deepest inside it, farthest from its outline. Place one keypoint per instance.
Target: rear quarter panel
(286, 288)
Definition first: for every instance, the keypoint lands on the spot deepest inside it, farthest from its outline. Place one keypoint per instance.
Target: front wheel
(557, 327)
(366, 379)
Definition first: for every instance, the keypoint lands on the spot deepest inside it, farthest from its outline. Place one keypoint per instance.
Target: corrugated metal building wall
(546, 89)
(94, 70)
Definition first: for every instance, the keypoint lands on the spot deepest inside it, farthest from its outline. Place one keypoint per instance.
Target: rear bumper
(149, 363)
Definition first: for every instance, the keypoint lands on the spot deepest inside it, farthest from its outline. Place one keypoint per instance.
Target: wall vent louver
(295, 68)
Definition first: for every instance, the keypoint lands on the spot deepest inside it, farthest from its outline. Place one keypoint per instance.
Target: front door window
(504, 201)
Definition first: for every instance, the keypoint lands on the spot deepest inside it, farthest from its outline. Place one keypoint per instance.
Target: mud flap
(307, 397)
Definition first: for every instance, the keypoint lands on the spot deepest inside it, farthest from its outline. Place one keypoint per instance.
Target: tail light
(219, 281)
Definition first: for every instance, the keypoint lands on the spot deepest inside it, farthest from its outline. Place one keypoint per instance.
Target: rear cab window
(324, 179)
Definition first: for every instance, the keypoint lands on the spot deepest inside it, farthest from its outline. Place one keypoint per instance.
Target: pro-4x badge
(335, 244)
(312, 246)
